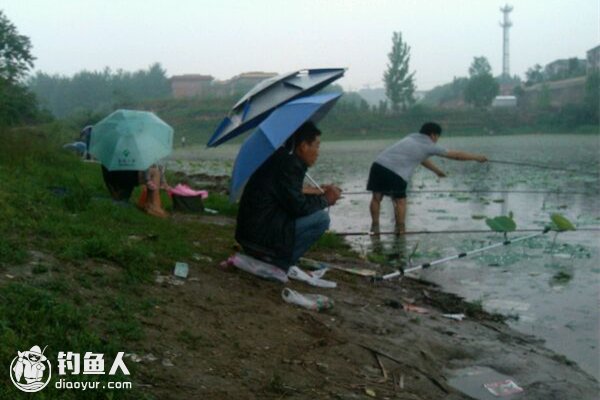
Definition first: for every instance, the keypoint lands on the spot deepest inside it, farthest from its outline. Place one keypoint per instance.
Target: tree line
(89, 95)
(98, 91)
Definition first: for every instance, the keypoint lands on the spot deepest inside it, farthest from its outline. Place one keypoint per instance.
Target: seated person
(120, 184)
(85, 135)
(278, 219)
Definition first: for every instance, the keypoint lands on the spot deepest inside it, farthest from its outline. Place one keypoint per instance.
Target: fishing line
(540, 166)
(366, 233)
(479, 191)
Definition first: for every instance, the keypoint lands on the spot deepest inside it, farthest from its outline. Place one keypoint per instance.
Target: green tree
(544, 100)
(480, 66)
(592, 95)
(15, 52)
(481, 87)
(17, 104)
(399, 83)
(99, 91)
(534, 75)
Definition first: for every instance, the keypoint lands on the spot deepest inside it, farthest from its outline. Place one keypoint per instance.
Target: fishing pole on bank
(369, 233)
(401, 272)
(364, 192)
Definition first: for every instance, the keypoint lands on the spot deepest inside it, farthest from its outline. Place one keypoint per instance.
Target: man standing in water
(394, 167)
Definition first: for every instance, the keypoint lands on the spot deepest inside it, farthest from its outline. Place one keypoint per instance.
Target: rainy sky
(223, 38)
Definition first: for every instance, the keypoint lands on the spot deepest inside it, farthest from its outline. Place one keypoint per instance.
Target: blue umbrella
(273, 132)
(269, 94)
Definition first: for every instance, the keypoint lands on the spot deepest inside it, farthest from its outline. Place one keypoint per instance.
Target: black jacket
(271, 203)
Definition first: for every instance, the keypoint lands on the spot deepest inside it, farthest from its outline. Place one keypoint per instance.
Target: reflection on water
(551, 291)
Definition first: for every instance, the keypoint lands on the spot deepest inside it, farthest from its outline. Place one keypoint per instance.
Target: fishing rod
(369, 233)
(525, 164)
(459, 255)
(479, 191)
(314, 182)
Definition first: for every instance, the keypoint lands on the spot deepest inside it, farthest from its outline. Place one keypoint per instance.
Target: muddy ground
(225, 334)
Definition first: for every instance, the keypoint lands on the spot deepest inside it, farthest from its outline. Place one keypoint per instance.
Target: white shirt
(405, 155)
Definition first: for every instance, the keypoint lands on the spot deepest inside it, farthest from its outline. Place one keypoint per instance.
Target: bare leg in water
(375, 208)
(400, 214)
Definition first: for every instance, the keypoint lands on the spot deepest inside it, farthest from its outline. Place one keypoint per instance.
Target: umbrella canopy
(130, 140)
(273, 132)
(256, 105)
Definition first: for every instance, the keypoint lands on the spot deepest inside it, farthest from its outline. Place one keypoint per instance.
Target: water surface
(549, 288)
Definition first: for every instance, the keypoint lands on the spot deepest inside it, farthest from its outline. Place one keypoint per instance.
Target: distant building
(504, 102)
(593, 59)
(202, 86)
(566, 68)
(246, 81)
(554, 93)
(192, 85)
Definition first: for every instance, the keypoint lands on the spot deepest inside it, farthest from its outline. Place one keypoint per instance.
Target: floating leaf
(561, 223)
(478, 216)
(501, 224)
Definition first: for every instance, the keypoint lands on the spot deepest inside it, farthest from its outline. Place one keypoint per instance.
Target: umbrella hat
(262, 99)
(131, 140)
(273, 132)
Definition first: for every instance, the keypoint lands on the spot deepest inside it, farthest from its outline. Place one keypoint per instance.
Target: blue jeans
(308, 230)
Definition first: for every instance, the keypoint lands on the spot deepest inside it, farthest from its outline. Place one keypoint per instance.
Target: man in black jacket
(279, 219)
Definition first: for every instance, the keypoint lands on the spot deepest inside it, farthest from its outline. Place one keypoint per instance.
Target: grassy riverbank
(80, 273)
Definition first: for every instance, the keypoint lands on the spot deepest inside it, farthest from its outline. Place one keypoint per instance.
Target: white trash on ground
(313, 278)
(258, 267)
(315, 302)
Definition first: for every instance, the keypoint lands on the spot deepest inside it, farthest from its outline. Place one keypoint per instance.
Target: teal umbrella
(129, 140)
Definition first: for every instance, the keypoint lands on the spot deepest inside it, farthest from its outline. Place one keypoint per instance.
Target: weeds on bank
(87, 292)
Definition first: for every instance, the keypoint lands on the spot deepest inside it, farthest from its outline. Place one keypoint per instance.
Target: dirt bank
(226, 334)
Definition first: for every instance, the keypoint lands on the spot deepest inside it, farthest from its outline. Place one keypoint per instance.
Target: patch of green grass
(11, 252)
(62, 208)
(35, 316)
(220, 203)
(377, 258)
(331, 241)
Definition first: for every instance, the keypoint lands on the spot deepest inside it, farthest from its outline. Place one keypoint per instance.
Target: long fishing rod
(460, 255)
(525, 164)
(314, 182)
(479, 191)
(369, 233)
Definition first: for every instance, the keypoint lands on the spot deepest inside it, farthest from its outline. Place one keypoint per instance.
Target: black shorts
(383, 180)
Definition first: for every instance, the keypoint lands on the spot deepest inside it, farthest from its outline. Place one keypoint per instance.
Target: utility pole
(506, 24)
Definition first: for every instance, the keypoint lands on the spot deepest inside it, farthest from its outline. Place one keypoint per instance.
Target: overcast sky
(225, 37)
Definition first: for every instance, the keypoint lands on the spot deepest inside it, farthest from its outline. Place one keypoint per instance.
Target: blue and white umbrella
(269, 94)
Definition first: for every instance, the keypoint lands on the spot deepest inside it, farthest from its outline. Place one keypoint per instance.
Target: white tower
(506, 24)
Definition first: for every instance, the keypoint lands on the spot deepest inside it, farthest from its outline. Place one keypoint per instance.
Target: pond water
(549, 287)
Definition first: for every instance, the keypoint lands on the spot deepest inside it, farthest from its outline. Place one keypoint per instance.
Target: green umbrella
(131, 140)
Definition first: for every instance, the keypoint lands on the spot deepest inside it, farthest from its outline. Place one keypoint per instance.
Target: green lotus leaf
(560, 223)
(501, 224)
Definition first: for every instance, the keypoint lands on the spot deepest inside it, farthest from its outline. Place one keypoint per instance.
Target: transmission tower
(506, 24)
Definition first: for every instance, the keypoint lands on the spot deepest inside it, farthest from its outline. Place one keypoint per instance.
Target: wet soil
(223, 333)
